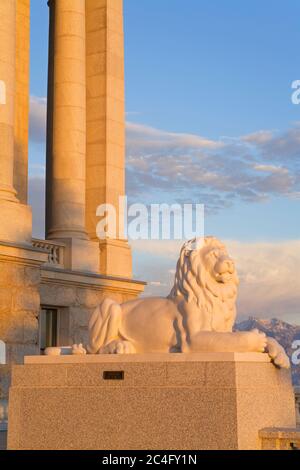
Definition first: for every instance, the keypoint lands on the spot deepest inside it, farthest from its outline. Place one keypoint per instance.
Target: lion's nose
(225, 265)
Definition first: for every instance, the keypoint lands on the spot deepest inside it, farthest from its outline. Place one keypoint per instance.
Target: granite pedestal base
(3, 437)
(178, 401)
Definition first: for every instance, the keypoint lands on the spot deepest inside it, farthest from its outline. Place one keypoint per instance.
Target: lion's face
(219, 264)
(206, 278)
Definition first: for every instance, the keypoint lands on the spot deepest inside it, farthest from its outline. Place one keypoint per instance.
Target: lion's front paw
(257, 341)
(78, 350)
(118, 347)
(277, 354)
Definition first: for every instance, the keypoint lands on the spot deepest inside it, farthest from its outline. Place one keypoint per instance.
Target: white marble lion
(197, 316)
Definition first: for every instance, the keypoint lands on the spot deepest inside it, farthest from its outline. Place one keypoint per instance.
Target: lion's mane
(216, 302)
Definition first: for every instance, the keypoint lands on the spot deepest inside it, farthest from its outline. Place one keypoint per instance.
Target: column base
(81, 255)
(115, 258)
(15, 222)
(8, 194)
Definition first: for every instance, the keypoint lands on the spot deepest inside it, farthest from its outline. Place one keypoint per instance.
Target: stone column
(106, 126)
(66, 130)
(15, 218)
(66, 121)
(7, 110)
(22, 100)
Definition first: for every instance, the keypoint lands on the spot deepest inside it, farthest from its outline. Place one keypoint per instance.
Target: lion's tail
(104, 325)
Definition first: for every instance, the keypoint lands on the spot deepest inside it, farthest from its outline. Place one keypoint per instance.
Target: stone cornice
(91, 281)
(22, 254)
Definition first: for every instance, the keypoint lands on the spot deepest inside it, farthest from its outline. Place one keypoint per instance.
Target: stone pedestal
(195, 401)
(105, 150)
(81, 255)
(115, 258)
(15, 222)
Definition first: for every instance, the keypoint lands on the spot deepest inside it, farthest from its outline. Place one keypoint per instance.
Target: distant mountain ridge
(283, 332)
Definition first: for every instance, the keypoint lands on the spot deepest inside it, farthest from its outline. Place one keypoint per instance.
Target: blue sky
(212, 68)
(220, 71)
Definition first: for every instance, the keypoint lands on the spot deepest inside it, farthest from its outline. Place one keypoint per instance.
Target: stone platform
(176, 401)
(3, 436)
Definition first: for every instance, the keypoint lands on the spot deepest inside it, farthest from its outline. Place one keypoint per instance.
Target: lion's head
(206, 276)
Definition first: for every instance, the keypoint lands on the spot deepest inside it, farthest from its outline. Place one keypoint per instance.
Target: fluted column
(66, 136)
(22, 100)
(7, 110)
(66, 128)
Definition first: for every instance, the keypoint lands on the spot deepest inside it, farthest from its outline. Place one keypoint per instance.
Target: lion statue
(197, 316)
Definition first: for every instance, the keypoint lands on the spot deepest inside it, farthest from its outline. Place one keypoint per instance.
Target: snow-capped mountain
(283, 332)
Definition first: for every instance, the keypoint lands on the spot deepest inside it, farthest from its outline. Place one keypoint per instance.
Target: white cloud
(271, 169)
(166, 248)
(251, 168)
(191, 168)
(141, 137)
(260, 137)
(270, 284)
(37, 201)
(269, 272)
(38, 117)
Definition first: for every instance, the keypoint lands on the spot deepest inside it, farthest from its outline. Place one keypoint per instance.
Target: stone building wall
(28, 283)
(32, 278)
(77, 295)
(20, 277)
(19, 308)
